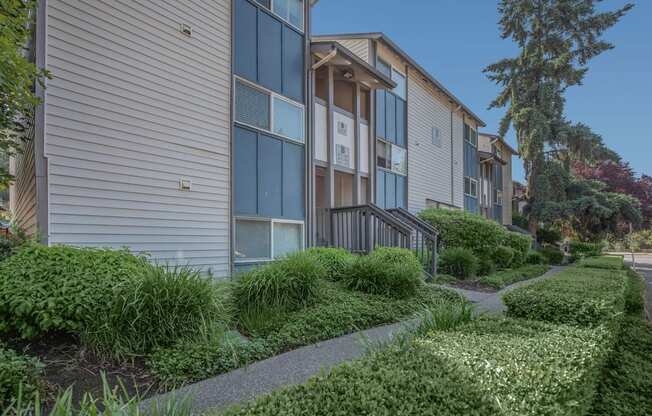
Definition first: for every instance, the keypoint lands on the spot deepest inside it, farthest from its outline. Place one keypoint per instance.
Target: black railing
(423, 239)
(360, 229)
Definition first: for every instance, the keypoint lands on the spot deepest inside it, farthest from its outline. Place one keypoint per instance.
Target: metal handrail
(416, 221)
(396, 222)
(426, 239)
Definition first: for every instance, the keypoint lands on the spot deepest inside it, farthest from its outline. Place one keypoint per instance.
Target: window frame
(391, 145)
(286, 19)
(271, 222)
(472, 181)
(272, 96)
(499, 197)
(469, 140)
(405, 79)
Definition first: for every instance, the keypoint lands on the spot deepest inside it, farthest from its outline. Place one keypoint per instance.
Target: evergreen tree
(556, 40)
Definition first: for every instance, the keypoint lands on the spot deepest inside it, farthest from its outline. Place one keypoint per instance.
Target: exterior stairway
(361, 228)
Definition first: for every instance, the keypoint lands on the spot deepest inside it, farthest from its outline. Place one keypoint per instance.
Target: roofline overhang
(382, 37)
(332, 49)
(497, 138)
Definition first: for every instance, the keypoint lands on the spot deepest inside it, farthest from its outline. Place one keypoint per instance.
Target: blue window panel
(471, 204)
(293, 64)
(380, 113)
(270, 177)
(293, 182)
(390, 114)
(384, 68)
(390, 190)
(245, 42)
(400, 122)
(264, 3)
(400, 191)
(270, 53)
(245, 180)
(380, 188)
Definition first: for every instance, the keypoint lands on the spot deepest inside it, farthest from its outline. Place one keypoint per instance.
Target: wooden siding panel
(133, 107)
(360, 47)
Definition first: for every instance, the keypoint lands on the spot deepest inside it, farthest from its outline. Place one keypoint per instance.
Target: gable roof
(501, 140)
(384, 38)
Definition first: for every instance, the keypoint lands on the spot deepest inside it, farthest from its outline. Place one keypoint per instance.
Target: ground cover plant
(487, 367)
(500, 279)
(576, 296)
(579, 249)
(19, 375)
(336, 260)
(603, 262)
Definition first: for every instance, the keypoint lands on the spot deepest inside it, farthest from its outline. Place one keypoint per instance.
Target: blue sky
(456, 39)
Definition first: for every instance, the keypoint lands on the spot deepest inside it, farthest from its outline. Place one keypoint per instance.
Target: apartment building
(220, 135)
(495, 168)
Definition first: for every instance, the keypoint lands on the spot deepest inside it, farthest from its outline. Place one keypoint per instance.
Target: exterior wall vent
(185, 29)
(185, 185)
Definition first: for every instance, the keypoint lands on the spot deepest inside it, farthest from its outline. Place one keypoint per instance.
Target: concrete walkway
(297, 366)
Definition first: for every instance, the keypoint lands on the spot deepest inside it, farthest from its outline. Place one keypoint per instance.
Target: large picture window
(268, 111)
(266, 239)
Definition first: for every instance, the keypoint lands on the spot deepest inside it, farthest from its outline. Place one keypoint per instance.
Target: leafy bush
(535, 257)
(155, 310)
(12, 242)
(548, 236)
(575, 296)
(504, 278)
(580, 249)
(635, 293)
(287, 284)
(553, 255)
(393, 272)
(459, 262)
(61, 288)
(335, 260)
(486, 266)
(503, 256)
(520, 243)
(604, 262)
(18, 374)
(501, 367)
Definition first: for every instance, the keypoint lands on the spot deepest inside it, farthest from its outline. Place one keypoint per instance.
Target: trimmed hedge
(18, 373)
(576, 296)
(503, 256)
(459, 262)
(603, 262)
(336, 260)
(61, 288)
(553, 255)
(474, 232)
(393, 272)
(579, 249)
(535, 257)
(489, 367)
(504, 278)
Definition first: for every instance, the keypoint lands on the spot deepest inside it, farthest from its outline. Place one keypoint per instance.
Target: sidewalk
(297, 366)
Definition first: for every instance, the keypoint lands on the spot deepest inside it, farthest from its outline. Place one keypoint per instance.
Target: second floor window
(290, 10)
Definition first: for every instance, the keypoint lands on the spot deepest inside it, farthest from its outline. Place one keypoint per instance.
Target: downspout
(453, 155)
(40, 160)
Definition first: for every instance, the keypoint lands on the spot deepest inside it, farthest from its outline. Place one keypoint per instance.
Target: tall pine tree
(557, 39)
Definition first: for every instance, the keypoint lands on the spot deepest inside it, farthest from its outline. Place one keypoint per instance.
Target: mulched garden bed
(67, 363)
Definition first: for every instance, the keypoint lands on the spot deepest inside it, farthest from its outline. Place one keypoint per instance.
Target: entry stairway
(359, 229)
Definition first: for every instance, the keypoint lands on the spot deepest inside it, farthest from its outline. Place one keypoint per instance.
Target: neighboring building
(220, 136)
(519, 197)
(495, 169)
(421, 131)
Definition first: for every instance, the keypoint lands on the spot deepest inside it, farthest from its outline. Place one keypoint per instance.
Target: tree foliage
(18, 77)
(556, 41)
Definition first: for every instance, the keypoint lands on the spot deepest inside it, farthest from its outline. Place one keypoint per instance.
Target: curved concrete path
(297, 366)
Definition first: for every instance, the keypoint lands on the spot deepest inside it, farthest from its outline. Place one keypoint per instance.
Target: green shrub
(535, 257)
(61, 288)
(459, 262)
(393, 272)
(501, 367)
(155, 310)
(335, 260)
(486, 266)
(553, 255)
(604, 262)
(504, 278)
(503, 256)
(580, 249)
(462, 229)
(576, 296)
(548, 236)
(285, 285)
(520, 243)
(634, 293)
(18, 374)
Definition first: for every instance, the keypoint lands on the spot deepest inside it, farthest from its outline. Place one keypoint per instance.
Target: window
(383, 154)
(499, 197)
(288, 120)
(268, 111)
(290, 11)
(364, 105)
(251, 106)
(399, 160)
(401, 84)
(266, 239)
(384, 68)
(471, 187)
(470, 135)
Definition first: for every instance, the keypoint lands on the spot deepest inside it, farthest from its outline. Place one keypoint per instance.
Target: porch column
(356, 145)
(330, 147)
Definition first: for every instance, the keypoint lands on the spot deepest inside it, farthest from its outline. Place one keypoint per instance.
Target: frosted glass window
(399, 160)
(251, 106)
(288, 120)
(252, 239)
(288, 238)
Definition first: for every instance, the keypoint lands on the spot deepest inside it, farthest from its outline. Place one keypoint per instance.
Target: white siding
(458, 160)
(429, 164)
(135, 106)
(360, 47)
